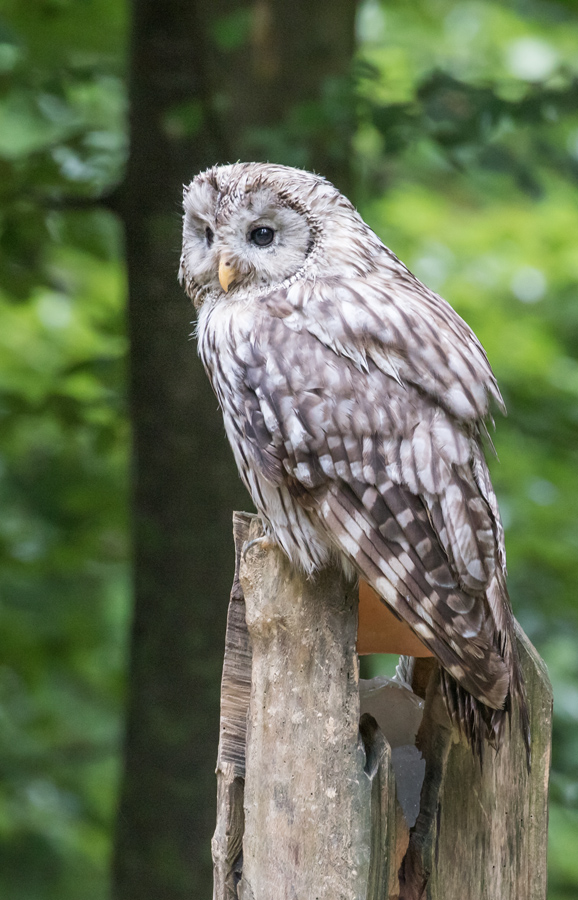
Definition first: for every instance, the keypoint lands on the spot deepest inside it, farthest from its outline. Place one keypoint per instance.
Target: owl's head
(254, 226)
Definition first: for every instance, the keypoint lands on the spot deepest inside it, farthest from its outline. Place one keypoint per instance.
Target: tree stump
(318, 802)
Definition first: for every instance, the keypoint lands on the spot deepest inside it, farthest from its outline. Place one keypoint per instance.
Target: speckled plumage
(354, 399)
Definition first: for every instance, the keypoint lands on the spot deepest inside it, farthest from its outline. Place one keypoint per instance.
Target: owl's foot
(264, 543)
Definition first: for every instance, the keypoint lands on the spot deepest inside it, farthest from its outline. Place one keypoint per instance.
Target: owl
(354, 399)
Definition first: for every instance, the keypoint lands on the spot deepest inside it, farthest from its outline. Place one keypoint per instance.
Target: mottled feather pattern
(354, 400)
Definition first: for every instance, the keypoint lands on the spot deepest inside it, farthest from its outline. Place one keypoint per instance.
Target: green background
(465, 163)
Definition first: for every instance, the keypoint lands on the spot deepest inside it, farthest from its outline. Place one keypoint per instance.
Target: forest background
(454, 128)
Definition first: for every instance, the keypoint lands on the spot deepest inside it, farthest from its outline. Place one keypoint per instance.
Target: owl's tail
(480, 724)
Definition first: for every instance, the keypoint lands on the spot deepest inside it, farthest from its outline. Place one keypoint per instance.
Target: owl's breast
(227, 348)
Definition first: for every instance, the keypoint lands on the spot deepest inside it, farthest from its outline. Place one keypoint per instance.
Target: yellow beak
(227, 274)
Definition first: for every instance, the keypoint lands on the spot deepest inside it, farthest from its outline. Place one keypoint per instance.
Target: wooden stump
(307, 806)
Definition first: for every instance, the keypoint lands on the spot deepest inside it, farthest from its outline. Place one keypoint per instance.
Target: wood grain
(312, 785)
(482, 833)
(380, 631)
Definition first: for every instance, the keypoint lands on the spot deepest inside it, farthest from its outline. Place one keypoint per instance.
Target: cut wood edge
(381, 631)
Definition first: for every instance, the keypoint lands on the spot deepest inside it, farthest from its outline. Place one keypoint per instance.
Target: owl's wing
(409, 332)
(366, 404)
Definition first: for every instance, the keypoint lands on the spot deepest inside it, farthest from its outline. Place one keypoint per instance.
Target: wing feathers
(363, 399)
(396, 576)
(462, 521)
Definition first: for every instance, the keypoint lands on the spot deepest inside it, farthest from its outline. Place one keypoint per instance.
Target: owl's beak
(227, 274)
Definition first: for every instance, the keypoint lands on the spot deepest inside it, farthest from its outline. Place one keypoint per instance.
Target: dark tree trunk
(207, 86)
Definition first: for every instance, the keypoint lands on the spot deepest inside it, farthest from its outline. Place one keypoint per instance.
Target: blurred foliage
(466, 164)
(63, 446)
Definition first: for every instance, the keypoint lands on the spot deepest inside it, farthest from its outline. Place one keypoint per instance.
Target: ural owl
(354, 399)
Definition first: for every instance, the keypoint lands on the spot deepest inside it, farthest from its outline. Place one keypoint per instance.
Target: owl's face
(252, 226)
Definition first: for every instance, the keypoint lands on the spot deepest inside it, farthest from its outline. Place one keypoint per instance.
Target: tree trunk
(209, 83)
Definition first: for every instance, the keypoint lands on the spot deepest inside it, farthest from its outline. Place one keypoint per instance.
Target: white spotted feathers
(354, 399)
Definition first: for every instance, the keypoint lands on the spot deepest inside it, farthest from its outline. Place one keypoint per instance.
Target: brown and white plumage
(354, 399)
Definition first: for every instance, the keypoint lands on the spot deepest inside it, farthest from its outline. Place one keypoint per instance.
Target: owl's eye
(262, 236)
(209, 236)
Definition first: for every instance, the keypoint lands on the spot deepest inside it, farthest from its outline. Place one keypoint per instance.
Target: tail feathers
(480, 724)
(477, 722)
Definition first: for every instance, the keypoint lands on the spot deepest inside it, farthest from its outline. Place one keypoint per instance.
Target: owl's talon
(264, 541)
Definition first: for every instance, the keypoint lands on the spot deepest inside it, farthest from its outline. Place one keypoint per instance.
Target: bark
(194, 99)
(235, 697)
